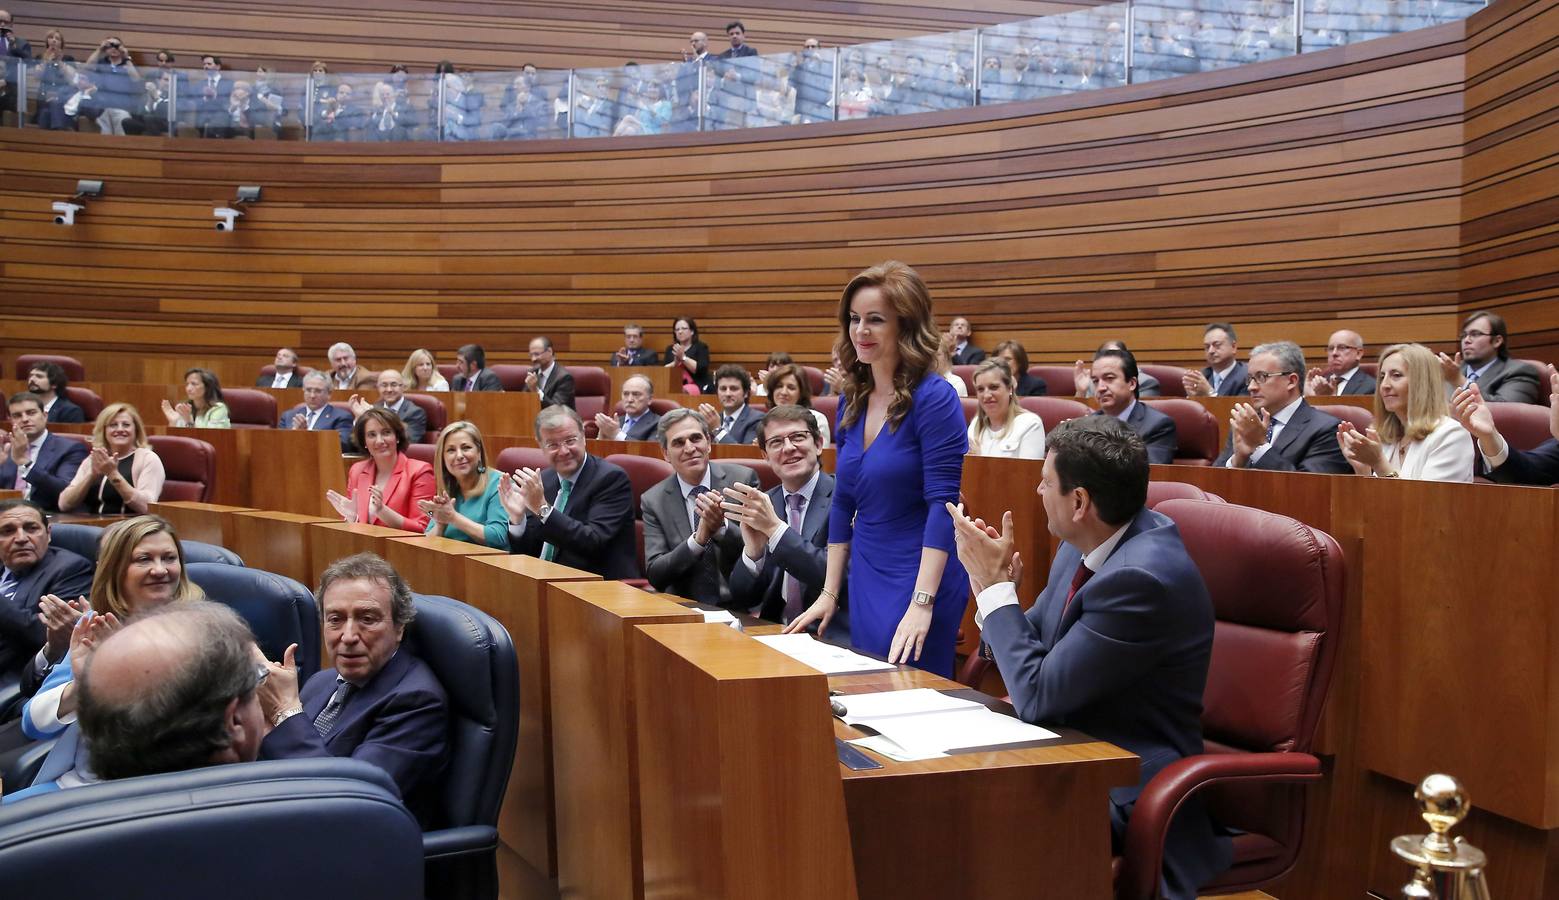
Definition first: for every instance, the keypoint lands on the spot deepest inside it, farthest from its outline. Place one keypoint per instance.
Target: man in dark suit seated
(1538, 467)
(785, 531)
(1342, 376)
(315, 412)
(48, 381)
(1115, 384)
(964, 352)
(735, 422)
(35, 577)
(380, 704)
(1082, 374)
(1224, 375)
(392, 396)
(553, 382)
(577, 513)
(287, 375)
(1119, 641)
(471, 360)
(1485, 360)
(638, 422)
(689, 546)
(1278, 430)
(37, 463)
(633, 352)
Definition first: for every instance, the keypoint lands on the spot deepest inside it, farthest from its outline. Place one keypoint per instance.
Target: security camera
(65, 213)
(227, 217)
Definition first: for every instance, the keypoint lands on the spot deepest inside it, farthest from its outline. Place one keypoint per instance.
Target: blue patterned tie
(332, 711)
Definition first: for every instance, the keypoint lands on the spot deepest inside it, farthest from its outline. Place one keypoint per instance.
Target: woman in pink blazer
(384, 488)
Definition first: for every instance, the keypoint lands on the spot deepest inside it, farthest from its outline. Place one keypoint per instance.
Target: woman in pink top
(384, 488)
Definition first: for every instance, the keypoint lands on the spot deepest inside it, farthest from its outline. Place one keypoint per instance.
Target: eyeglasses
(1338, 348)
(1474, 334)
(795, 439)
(261, 672)
(1260, 378)
(555, 446)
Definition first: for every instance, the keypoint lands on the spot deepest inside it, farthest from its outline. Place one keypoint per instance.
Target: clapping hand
(59, 619)
(989, 556)
(834, 378)
(299, 422)
(170, 413)
(1249, 428)
(88, 632)
(1362, 449)
(345, 506)
(1082, 377)
(711, 516)
(1319, 383)
(606, 427)
(103, 463)
(440, 509)
(18, 445)
(530, 380)
(752, 509)
(1451, 368)
(522, 494)
(375, 502)
(1469, 408)
(358, 405)
(1196, 384)
(711, 415)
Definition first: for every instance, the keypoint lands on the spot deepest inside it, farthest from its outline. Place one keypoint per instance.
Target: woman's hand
(375, 503)
(1362, 449)
(171, 414)
(103, 464)
(343, 505)
(910, 638)
(821, 611)
(440, 509)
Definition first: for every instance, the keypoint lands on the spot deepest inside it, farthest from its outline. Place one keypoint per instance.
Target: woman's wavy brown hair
(918, 340)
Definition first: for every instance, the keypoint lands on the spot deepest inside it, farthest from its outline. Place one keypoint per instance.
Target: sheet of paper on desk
(863, 709)
(926, 723)
(879, 744)
(825, 658)
(721, 616)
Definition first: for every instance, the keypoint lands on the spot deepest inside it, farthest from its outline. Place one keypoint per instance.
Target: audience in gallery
(466, 506)
(471, 361)
(1082, 374)
(1503, 463)
(121, 474)
(1115, 384)
(735, 422)
(788, 385)
(637, 421)
(1224, 376)
(1001, 427)
(688, 358)
(48, 381)
(43, 589)
(140, 567)
(633, 352)
(37, 463)
(1413, 436)
(204, 409)
(392, 397)
(579, 511)
(1484, 359)
(388, 488)
(421, 373)
(1017, 360)
(287, 374)
(316, 413)
(690, 546)
(1343, 376)
(1277, 430)
(553, 382)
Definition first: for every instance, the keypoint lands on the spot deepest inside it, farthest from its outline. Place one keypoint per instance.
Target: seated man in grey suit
(1502, 463)
(1278, 430)
(689, 546)
(1119, 641)
(1224, 375)
(34, 578)
(315, 412)
(735, 422)
(471, 359)
(638, 422)
(392, 396)
(35, 462)
(1485, 360)
(553, 382)
(785, 531)
(1115, 384)
(287, 375)
(1342, 376)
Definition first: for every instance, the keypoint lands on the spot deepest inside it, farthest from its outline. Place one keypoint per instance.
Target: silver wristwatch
(922, 598)
(546, 510)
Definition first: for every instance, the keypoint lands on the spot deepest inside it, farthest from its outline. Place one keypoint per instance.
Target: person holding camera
(118, 84)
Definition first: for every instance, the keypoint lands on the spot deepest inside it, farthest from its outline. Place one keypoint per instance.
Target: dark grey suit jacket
(1538, 466)
(1510, 381)
(594, 533)
(1308, 443)
(643, 429)
(1362, 384)
(57, 462)
(559, 389)
(486, 380)
(265, 381)
(1157, 431)
(669, 563)
(415, 418)
(1236, 385)
(61, 573)
(803, 556)
(744, 429)
(970, 356)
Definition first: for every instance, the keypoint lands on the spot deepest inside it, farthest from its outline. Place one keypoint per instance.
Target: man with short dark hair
(48, 381)
(1082, 374)
(315, 412)
(1118, 643)
(638, 422)
(1485, 360)
(213, 95)
(471, 360)
(579, 511)
(1342, 377)
(38, 464)
(286, 375)
(964, 352)
(689, 545)
(735, 422)
(553, 382)
(1278, 430)
(380, 704)
(1115, 384)
(633, 352)
(1224, 376)
(36, 578)
(392, 396)
(176, 689)
(737, 33)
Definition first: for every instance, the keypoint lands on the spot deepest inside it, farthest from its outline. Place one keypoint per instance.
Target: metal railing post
(1131, 38)
(979, 66)
(308, 107)
(570, 102)
(21, 94)
(1299, 27)
(835, 89)
(438, 120)
(703, 96)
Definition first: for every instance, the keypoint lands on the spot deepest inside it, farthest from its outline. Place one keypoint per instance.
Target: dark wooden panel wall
(1290, 197)
(494, 34)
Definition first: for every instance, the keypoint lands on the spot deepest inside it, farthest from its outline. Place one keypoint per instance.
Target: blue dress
(888, 504)
(485, 509)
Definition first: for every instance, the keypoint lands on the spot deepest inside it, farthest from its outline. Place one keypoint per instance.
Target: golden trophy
(1444, 868)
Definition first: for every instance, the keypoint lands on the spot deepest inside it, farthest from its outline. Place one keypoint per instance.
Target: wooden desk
(659, 376)
(594, 678)
(330, 541)
(278, 542)
(501, 412)
(209, 522)
(513, 590)
(434, 565)
(291, 470)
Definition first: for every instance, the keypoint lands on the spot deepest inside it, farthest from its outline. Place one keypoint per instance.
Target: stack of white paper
(925, 724)
(825, 658)
(721, 616)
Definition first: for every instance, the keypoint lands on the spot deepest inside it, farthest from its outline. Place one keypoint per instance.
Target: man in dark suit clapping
(638, 422)
(1224, 376)
(1342, 376)
(315, 412)
(33, 574)
(1278, 430)
(553, 382)
(37, 463)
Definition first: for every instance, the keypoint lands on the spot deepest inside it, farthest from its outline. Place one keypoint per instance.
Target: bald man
(1342, 375)
(392, 396)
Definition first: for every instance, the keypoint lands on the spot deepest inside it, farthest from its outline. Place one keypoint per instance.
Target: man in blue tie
(1278, 430)
(1485, 360)
(1224, 376)
(316, 413)
(380, 703)
(638, 421)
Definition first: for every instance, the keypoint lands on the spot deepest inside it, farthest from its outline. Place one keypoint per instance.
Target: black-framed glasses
(1260, 378)
(795, 438)
(1474, 334)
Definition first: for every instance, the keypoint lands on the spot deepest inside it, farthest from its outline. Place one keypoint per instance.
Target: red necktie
(1079, 579)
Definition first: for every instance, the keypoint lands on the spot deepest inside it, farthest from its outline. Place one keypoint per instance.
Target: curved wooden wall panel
(1289, 197)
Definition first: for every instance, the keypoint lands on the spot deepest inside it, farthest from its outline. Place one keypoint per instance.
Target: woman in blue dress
(901, 442)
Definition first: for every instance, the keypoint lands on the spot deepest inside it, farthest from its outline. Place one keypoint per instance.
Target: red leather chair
(190, 465)
(814, 379)
(1159, 491)
(91, 404)
(1273, 655)
(437, 415)
(768, 479)
(828, 406)
(1059, 380)
(592, 390)
(250, 408)
(660, 405)
(1522, 425)
(966, 373)
(1195, 429)
(1169, 378)
(1358, 416)
(644, 472)
(1374, 368)
(74, 370)
(449, 371)
(423, 452)
(510, 376)
(1541, 365)
(1054, 410)
(971, 408)
(516, 457)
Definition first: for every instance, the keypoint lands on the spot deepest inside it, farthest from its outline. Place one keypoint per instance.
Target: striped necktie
(326, 721)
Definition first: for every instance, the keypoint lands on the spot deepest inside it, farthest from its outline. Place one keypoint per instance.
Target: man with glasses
(785, 531)
(1278, 430)
(315, 412)
(1485, 360)
(577, 513)
(1224, 375)
(1342, 376)
(689, 546)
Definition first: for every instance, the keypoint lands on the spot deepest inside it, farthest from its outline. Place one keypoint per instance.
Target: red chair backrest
(644, 472)
(1059, 380)
(250, 408)
(1195, 429)
(433, 407)
(519, 457)
(767, 477)
(1372, 368)
(828, 406)
(660, 405)
(1169, 378)
(1523, 425)
(74, 370)
(814, 379)
(91, 404)
(590, 381)
(1159, 491)
(1054, 410)
(449, 371)
(190, 465)
(1358, 416)
(966, 373)
(587, 407)
(511, 377)
(423, 452)
(1543, 391)
(971, 408)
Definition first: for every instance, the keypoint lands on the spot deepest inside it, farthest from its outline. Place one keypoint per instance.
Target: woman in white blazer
(1413, 435)
(1002, 427)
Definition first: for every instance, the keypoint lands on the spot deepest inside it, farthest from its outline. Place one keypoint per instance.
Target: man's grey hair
(372, 567)
(553, 416)
(340, 345)
(649, 386)
(1290, 358)
(319, 376)
(677, 416)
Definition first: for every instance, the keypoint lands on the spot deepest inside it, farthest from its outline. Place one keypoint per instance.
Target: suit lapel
(397, 484)
(1291, 429)
(816, 516)
(1075, 610)
(52, 447)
